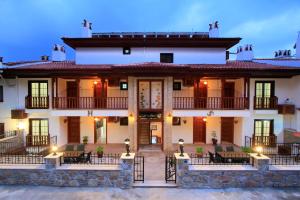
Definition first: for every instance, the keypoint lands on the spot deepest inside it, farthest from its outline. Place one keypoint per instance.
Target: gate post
(127, 173)
(182, 167)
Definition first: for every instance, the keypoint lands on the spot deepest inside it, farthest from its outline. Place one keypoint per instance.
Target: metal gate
(138, 168)
(170, 169)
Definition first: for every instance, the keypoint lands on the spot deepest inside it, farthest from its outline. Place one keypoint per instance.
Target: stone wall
(260, 174)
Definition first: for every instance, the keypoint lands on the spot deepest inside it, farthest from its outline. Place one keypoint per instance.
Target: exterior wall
(116, 133)
(184, 131)
(140, 55)
(280, 62)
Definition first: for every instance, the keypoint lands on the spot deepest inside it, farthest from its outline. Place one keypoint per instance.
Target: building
(153, 88)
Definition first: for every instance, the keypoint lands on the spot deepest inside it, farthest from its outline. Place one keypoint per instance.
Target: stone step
(154, 184)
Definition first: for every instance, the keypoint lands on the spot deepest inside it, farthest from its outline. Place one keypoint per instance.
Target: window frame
(164, 57)
(176, 85)
(126, 49)
(37, 119)
(271, 130)
(263, 88)
(39, 82)
(121, 83)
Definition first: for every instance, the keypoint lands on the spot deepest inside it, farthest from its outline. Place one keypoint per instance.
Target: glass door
(100, 131)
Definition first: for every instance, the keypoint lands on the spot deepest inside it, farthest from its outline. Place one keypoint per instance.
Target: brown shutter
(1, 93)
(1, 128)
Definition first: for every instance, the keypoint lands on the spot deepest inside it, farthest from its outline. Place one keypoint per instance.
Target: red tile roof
(70, 65)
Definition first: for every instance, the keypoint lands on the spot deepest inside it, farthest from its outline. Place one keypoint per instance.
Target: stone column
(53, 161)
(260, 162)
(182, 168)
(127, 170)
(168, 109)
(132, 110)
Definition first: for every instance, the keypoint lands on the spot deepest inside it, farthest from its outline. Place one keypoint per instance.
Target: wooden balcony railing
(90, 103)
(37, 140)
(219, 103)
(37, 102)
(265, 103)
(264, 140)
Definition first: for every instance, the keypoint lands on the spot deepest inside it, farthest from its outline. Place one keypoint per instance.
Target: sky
(29, 28)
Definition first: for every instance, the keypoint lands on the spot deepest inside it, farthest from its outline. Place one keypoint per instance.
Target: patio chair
(211, 157)
(230, 149)
(87, 158)
(218, 148)
(80, 147)
(69, 147)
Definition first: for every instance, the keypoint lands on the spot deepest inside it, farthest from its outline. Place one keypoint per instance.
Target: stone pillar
(132, 110)
(168, 108)
(127, 170)
(53, 161)
(260, 162)
(182, 168)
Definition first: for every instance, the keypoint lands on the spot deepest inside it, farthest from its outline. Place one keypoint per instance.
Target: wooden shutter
(1, 93)
(1, 128)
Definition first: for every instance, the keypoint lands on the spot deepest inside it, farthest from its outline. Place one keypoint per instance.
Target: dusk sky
(29, 28)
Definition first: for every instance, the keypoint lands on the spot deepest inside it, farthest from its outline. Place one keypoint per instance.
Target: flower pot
(199, 155)
(100, 154)
(214, 141)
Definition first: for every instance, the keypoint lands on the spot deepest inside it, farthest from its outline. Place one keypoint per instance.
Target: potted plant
(85, 139)
(247, 150)
(199, 152)
(214, 138)
(99, 151)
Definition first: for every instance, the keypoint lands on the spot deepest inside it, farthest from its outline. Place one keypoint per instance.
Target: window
(166, 57)
(38, 127)
(123, 121)
(264, 95)
(2, 130)
(123, 86)
(126, 50)
(177, 86)
(1, 93)
(263, 127)
(38, 88)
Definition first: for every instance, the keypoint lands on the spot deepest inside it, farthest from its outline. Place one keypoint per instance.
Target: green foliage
(199, 150)
(247, 150)
(99, 149)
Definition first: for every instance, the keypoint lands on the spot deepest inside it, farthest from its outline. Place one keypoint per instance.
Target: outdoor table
(234, 157)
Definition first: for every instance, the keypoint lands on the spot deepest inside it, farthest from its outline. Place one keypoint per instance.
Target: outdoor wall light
(259, 150)
(181, 142)
(95, 82)
(127, 141)
(54, 149)
(205, 82)
(21, 125)
(96, 119)
(204, 119)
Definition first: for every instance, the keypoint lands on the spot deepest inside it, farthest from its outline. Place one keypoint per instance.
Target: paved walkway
(45, 193)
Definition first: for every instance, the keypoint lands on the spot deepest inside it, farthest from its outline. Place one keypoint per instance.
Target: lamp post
(54, 149)
(181, 142)
(259, 150)
(127, 141)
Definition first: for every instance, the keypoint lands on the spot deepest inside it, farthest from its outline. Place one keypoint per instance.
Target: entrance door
(73, 129)
(199, 130)
(228, 95)
(227, 129)
(144, 133)
(100, 94)
(200, 94)
(100, 131)
(72, 94)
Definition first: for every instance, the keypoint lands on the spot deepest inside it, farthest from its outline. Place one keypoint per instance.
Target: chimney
(298, 46)
(45, 58)
(283, 54)
(1, 62)
(214, 30)
(239, 53)
(245, 54)
(86, 29)
(58, 53)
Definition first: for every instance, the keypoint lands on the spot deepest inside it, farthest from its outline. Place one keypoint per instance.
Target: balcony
(37, 140)
(36, 102)
(90, 103)
(210, 103)
(265, 103)
(264, 140)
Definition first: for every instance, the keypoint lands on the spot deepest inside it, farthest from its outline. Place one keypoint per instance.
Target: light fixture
(95, 82)
(205, 82)
(127, 141)
(21, 126)
(169, 115)
(54, 149)
(204, 119)
(96, 119)
(181, 142)
(130, 115)
(259, 150)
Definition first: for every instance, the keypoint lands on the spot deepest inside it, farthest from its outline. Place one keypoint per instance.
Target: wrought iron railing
(91, 159)
(139, 169)
(37, 140)
(220, 103)
(284, 159)
(264, 140)
(7, 134)
(21, 159)
(217, 159)
(90, 103)
(36, 102)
